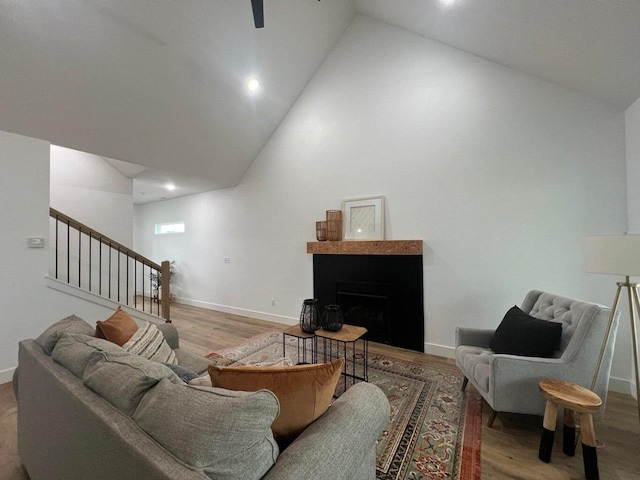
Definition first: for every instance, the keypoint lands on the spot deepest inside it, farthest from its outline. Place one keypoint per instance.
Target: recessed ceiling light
(253, 85)
(170, 186)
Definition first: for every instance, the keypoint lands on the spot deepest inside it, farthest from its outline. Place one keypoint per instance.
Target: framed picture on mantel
(363, 218)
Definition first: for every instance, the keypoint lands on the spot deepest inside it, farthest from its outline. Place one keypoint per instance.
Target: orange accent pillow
(304, 391)
(118, 328)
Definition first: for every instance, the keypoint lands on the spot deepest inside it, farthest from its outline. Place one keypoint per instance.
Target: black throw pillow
(522, 334)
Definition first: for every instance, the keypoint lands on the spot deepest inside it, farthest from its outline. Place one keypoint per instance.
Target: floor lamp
(617, 255)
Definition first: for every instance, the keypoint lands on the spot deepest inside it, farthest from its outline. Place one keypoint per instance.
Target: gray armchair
(509, 383)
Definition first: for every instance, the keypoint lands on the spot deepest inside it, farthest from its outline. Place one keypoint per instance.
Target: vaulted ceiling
(162, 83)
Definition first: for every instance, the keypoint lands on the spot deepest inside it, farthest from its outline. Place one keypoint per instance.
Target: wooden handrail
(81, 227)
(163, 269)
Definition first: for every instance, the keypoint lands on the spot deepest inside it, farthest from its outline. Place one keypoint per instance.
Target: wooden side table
(303, 338)
(348, 334)
(574, 399)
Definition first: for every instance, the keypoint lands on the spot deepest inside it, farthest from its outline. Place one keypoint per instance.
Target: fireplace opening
(382, 293)
(368, 306)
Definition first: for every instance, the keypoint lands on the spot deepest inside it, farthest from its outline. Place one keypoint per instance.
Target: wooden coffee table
(347, 335)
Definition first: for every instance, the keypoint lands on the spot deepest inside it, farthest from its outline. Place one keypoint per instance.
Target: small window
(173, 227)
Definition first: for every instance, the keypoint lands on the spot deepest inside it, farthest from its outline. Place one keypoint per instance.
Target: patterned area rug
(434, 429)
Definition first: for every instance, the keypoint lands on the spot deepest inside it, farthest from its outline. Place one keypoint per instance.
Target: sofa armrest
(341, 443)
(513, 384)
(503, 365)
(170, 334)
(476, 337)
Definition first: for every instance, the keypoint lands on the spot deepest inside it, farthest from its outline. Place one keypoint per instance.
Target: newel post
(165, 295)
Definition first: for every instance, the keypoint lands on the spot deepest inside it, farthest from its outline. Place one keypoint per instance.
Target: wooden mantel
(369, 247)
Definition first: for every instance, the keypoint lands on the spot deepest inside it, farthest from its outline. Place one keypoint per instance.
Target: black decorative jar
(309, 316)
(332, 319)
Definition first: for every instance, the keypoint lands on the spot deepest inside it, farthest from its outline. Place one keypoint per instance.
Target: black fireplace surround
(383, 293)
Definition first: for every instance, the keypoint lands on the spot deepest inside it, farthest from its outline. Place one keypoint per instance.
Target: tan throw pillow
(118, 328)
(149, 342)
(304, 391)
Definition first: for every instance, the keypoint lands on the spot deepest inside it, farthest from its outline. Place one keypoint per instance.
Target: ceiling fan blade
(258, 13)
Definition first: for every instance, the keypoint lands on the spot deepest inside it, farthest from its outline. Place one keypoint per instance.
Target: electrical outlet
(227, 259)
(273, 302)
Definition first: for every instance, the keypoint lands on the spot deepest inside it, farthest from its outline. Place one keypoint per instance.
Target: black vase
(309, 316)
(332, 320)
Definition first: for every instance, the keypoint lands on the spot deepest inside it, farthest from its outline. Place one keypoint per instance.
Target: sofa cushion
(197, 363)
(123, 378)
(118, 328)
(149, 342)
(226, 434)
(304, 391)
(71, 324)
(73, 351)
(184, 374)
(522, 334)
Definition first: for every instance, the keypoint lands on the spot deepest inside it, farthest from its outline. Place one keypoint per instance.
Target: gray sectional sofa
(88, 409)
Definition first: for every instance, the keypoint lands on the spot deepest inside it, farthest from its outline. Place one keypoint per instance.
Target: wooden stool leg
(548, 431)
(589, 454)
(569, 433)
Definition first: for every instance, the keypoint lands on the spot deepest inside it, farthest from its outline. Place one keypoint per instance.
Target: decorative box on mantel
(378, 285)
(368, 247)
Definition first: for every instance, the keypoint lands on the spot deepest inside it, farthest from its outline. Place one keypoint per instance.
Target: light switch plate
(35, 242)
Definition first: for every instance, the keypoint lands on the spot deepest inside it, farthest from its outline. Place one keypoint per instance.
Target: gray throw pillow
(226, 435)
(71, 324)
(74, 350)
(123, 378)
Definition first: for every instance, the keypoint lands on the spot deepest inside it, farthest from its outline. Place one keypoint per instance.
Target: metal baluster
(128, 259)
(135, 283)
(110, 249)
(68, 250)
(79, 257)
(57, 222)
(90, 272)
(119, 262)
(100, 269)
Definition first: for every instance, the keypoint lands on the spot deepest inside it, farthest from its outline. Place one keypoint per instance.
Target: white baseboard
(99, 300)
(439, 350)
(237, 311)
(6, 375)
(622, 385)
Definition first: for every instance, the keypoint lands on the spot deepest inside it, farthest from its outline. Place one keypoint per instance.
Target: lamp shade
(612, 254)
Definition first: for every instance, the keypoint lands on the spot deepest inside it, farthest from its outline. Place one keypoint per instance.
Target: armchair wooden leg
(464, 383)
(493, 416)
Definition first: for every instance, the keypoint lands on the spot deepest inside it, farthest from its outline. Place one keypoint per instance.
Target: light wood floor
(509, 449)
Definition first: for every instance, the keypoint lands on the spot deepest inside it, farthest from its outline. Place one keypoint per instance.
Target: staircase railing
(91, 261)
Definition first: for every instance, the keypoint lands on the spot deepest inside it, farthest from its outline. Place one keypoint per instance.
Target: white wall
(502, 175)
(28, 305)
(88, 189)
(632, 137)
